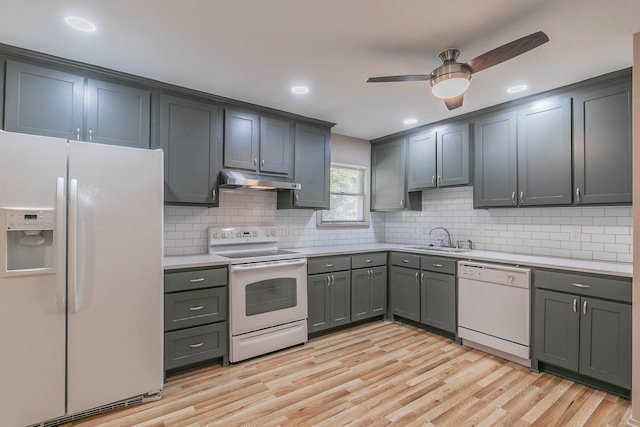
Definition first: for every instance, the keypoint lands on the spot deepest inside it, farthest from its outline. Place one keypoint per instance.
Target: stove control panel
(244, 234)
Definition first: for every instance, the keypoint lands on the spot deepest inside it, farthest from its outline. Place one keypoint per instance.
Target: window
(348, 197)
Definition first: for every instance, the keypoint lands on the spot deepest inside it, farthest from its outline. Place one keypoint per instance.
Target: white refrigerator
(81, 278)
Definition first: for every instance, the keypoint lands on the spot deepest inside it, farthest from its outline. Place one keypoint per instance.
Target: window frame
(366, 222)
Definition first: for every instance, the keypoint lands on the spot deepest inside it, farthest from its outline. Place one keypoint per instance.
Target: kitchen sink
(440, 249)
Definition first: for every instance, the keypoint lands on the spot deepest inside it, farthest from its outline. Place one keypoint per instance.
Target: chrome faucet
(449, 240)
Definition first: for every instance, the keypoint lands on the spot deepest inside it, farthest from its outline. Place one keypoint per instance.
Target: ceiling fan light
(451, 87)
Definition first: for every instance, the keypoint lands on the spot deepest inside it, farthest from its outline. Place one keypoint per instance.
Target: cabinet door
(190, 138)
(378, 291)
(360, 294)
(557, 328)
(312, 167)
(495, 170)
(276, 148)
(405, 292)
(388, 176)
(118, 115)
(602, 145)
(453, 156)
(605, 341)
(42, 101)
(340, 298)
(422, 161)
(241, 140)
(438, 301)
(319, 308)
(544, 153)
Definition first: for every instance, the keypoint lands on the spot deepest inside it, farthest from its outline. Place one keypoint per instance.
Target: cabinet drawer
(405, 260)
(609, 287)
(326, 264)
(438, 264)
(368, 260)
(185, 280)
(193, 345)
(193, 308)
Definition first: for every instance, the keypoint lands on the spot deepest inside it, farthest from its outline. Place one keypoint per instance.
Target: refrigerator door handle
(61, 279)
(72, 245)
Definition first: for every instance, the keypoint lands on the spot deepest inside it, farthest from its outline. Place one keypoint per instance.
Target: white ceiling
(255, 50)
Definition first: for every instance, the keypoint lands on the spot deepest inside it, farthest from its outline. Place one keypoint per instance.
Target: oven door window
(270, 295)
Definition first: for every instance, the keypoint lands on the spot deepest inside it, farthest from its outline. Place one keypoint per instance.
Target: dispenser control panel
(29, 220)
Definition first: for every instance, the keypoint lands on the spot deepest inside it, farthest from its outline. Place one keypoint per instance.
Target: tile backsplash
(599, 233)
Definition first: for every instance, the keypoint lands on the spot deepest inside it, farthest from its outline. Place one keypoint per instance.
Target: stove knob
(216, 235)
(273, 232)
(225, 235)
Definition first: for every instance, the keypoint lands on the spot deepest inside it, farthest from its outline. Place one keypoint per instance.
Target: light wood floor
(376, 374)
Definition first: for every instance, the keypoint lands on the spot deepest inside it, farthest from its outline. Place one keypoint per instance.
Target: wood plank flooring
(376, 374)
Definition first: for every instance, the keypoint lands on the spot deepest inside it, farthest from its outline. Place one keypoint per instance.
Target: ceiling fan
(450, 80)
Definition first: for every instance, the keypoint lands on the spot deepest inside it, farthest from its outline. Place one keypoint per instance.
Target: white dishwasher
(494, 308)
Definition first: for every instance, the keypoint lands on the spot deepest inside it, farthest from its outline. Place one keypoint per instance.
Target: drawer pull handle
(329, 265)
(579, 285)
(200, 307)
(196, 345)
(369, 260)
(200, 279)
(406, 261)
(437, 265)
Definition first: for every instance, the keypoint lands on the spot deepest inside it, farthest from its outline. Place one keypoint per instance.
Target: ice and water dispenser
(27, 241)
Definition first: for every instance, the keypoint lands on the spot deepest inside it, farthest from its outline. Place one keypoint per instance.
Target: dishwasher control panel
(498, 274)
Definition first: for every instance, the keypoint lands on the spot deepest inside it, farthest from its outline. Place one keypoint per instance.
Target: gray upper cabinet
(438, 158)
(544, 153)
(118, 115)
(495, 157)
(42, 101)
(312, 167)
(191, 140)
(421, 171)
(602, 145)
(388, 180)
(257, 144)
(453, 156)
(523, 158)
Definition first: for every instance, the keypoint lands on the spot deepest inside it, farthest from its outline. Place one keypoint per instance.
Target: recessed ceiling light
(300, 90)
(410, 122)
(80, 23)
(517, 88)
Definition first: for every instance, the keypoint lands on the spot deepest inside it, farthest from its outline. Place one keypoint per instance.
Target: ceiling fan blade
(507, 51)
(409, 78)
(453, 103)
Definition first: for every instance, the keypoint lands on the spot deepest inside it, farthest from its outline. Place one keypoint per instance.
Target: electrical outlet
(289, 232)
(575, 234)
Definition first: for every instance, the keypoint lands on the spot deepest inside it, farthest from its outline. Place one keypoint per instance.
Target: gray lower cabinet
(583, 324)
(602, 145)
(190, 136)
(49, 102)
(328, 292)
(195, 317)
(438, 301)
(404, 286)
(312, 168)
(368, 286)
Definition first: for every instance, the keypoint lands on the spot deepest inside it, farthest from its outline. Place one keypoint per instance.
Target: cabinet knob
(578, 195)
(433, 180)
(78, 133)
(439, 180)
(295, 200)
(213, 194)
(90, 135)
(262, 163)
(522, 197)
(255, 161)
(584, 307)
(513, 198)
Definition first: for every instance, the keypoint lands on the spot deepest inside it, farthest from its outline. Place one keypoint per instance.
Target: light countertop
(578, 265)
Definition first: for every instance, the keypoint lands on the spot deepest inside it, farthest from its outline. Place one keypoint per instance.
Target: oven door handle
(267, 264)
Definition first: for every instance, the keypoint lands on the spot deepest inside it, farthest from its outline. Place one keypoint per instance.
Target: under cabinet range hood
(236, 179)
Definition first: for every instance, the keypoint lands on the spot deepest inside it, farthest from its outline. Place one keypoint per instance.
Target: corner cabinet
(191, 139)
(582, 324)
(388, 178)
(312, 168)
(49, 102)
(602, 145)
